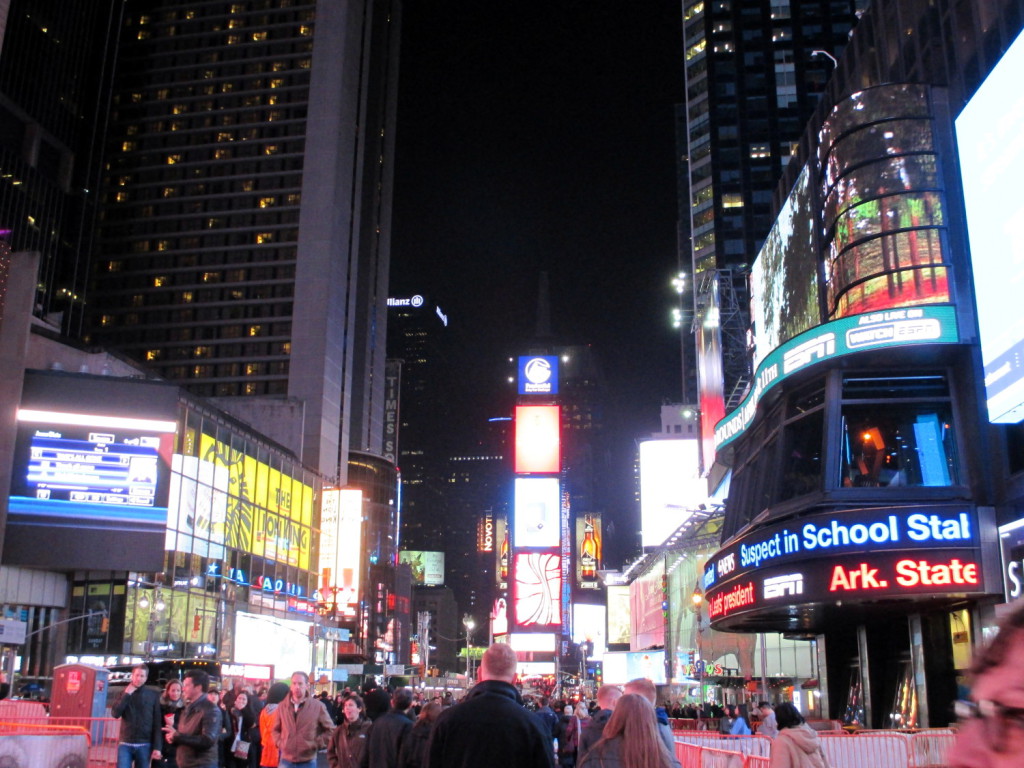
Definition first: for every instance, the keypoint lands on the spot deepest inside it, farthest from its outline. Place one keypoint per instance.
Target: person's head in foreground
(498, 663)
(634, 723)
(991, 733)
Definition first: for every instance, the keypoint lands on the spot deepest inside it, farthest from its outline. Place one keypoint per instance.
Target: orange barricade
(747, 745)
(879, 750)
(16, 709)
(697, 756)
(930, 749)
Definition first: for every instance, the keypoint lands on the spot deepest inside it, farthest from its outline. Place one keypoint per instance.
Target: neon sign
(740, 596)
(909, 573)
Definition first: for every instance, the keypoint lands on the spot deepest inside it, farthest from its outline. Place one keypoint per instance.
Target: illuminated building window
(255, 330)
(305, 30)
(227, 87)
(760, 151)
(159, 282)
(113, 266)
(265, 237)
(271, 149)
(222, 154)
(211, 277)
(168, 192)
(294, 198)
(172, 159)
(696, 49)
(201, 352)
(732, 200)
(186, 297)
(277, 83)
(248, 185)
(234, 23)
(234, 39)
(163, 245)
(127, 146)
(121, 197)
(106, 320)
(152, 354)
(266, 202)
(259, 36)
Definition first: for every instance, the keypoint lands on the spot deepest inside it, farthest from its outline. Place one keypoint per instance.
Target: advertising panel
(392, 389)
(649, 664)
(501, 553)
(537, 439)
(267, 640)
(876, 330)
(197, 507)
(537, 510)
(616, 668)
(849, 555)
(784, 277)
(350, 549)
(670, 487)
(485, 533)
(1011, 541)
(538, 375)
(646, 608)
(92, 459)
(537, 585)
(588, 551)
(991, 148)
(533, 642)
(427, 567)
(588, 626)
(269, 513)
(618, 615)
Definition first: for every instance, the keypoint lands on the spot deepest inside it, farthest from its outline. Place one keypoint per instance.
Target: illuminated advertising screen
(991, 147)
(1011, 541)
(502, 553)
(784, 277)
(499, 617)
(649, 664)
(670, 487)
(485, 533)
(197, 507)
(538, 375)
(536, 515)
(647, 618)
(427, 567)
(588, 551)
(616, 668)
(850, 555)
(618, 614)
(268, 640)
(877, 330)
(536, 587)
(350, 549)
(588, 626)
(710, 373)
(92, 461)
(537, 439)
(533, 642)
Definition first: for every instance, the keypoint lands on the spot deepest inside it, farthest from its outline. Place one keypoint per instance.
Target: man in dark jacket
(198, 731)
(139, 709)
(376, 699)
(607, 697)
(490, 727)
(547, 716)
(385, 737)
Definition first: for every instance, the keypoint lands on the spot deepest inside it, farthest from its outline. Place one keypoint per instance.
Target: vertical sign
(392, 388)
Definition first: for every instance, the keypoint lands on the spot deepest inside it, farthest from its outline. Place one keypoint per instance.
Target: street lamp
(698, 599)
(469, 624)
(155, 609)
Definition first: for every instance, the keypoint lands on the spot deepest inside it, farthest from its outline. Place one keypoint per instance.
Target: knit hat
(277, 693)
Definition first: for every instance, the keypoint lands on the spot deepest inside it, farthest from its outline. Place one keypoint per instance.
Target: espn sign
(781, 586)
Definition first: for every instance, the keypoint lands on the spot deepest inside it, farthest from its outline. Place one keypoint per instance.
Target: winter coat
(592, 731)
(797, 747)
(299, 733)
(490, 727)
(141, 719)
(415, 749)
(739, 727)
(384, 740)
(348, 744)
(269, 757)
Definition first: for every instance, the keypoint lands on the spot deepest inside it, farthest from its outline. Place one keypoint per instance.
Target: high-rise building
(243, 246)
(754, 72)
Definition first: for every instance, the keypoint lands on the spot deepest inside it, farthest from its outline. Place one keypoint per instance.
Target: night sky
(539, 136)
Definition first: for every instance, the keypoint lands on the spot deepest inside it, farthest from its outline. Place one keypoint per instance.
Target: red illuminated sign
(909, 573)
(538, 582)
(537, 444)
(740, 596)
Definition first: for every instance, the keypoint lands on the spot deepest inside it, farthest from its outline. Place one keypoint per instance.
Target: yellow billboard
(269, 513)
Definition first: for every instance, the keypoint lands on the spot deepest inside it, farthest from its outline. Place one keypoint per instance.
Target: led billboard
(784, 277)
(588, 551)
(670, 487)
(588, 626)
(618, 614)
(427, 567)
(538, 375)
(646, 614)
(536, 515)
(537, 439)
(92, 460)
(536, 587)
(990, 141)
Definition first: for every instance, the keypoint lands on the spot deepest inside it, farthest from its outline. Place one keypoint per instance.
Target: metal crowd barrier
(31, 742)
(878, 749)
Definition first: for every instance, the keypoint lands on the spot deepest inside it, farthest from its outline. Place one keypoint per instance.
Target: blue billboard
(538, 375)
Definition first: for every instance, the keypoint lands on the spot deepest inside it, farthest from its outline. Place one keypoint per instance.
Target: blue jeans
(133, 754)
(282, 763)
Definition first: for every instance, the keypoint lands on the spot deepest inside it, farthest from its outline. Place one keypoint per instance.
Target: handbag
(240, 748)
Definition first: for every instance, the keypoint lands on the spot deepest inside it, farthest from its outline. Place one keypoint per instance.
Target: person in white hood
(797, 744)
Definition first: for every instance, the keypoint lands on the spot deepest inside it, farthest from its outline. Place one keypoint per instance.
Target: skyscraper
(754, 72)
(243, 245)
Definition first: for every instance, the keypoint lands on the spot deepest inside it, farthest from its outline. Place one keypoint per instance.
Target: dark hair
(402, 699)
(199, 679)
(763, 704)
(278, 692)
(787, 716)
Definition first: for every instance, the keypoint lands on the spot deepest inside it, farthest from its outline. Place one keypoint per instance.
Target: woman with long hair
(740, 726)
(269, 756)
(797, 745)
(348, 741)
(630, 739)
(171, 706)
